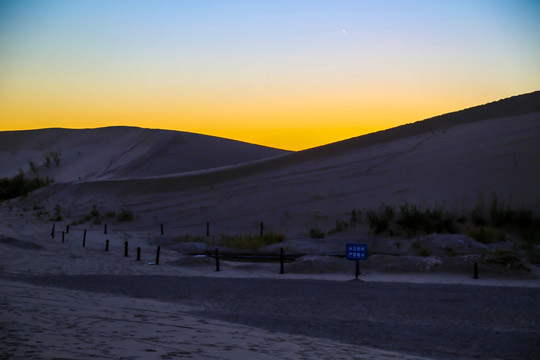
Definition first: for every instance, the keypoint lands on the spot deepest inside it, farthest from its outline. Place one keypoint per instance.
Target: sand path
(433, 320)
(44, 323)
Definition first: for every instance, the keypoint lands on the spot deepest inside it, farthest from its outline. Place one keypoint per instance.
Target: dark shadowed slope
(121, 152)
(513, 106)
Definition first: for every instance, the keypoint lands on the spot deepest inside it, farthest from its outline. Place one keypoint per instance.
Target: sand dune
(453, 167)
(118, 152)
(52, 307)
(455, 161)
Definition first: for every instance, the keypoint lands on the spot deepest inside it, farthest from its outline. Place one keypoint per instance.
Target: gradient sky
(289, 74)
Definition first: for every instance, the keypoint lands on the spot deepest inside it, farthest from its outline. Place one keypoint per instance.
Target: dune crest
(120, 152)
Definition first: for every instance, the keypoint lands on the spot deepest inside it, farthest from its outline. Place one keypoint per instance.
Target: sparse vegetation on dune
(19, 185)
(52, 157)
(486, 235)
(316, 233)
(251, 241)
(188, 238)
(498, 223)
(412, 219)
(95, 217)
(380, 219)
(486, 225)
(57, 214)
(125, 215)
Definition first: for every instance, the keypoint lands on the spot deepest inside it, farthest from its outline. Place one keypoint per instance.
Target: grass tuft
(316, 233)
(125, 215)
(486, 235)
(379, 220)
(250, 241)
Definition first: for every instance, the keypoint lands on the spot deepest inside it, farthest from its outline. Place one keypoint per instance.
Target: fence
(160, 232)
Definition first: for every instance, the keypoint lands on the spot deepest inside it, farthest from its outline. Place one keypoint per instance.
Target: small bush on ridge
(316, 233)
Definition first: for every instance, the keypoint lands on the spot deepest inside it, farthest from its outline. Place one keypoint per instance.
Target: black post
(107, 245)
(67, 229)
(262, 227)
(357, 268)
(138, 254)
(161, 229)
(475, 270)
(157, 255)
(62, 236)
(282, 270)
(52, 231)
(208, 228)
(217, 260)
(105, 230)
(84, 238)
(125, 248)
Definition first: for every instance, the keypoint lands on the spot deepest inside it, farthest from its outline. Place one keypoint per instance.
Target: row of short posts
(281, 257)
(161, 228)
(126, 254)
(107, 242)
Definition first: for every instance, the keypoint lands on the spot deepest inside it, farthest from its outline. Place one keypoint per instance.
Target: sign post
(357, 252)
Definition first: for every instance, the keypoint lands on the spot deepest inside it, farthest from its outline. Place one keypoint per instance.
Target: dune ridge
(120, 151)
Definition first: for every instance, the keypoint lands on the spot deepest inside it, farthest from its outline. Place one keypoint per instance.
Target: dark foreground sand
(433, 320)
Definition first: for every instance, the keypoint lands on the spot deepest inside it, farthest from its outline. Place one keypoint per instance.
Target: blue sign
(357, 251)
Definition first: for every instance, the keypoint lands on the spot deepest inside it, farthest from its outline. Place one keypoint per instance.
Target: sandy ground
(60, 300)
(158, 317)
(48, 323)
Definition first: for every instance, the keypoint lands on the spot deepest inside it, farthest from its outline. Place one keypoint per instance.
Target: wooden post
(125, 248)
(107, 245)
(84, 238)
(161, 229)
(281, 260)
(138, 254)
(475, 276)
(217, 260)
(262, 228)
(157, 255)
(52, 231)
(105, 230)
(67, 229)
(208, 228)
(62, 236)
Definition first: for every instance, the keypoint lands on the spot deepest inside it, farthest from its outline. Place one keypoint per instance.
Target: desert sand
(62, 300)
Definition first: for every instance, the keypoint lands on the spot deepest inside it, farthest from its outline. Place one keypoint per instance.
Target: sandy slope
(117, 152)
(454, 161)
(455, 168)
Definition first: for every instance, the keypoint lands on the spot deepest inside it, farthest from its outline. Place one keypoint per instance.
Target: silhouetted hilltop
(512, 106)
